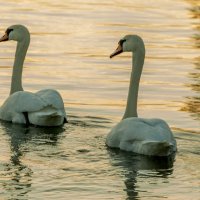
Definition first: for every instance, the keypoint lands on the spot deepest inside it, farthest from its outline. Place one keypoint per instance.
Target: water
(70, 46)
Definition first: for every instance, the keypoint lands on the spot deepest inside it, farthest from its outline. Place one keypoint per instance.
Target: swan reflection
(18, 176)
(134, 165)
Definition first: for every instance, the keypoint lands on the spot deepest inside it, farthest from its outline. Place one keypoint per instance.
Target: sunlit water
(69, 51)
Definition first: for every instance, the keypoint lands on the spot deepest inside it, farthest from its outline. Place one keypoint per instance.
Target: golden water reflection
(193, 103)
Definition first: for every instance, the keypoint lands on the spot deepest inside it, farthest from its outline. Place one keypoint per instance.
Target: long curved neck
(16, 83)
(137, 65)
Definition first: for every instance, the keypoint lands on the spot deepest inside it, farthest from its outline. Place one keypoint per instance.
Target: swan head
(17, 33)
(129, 43)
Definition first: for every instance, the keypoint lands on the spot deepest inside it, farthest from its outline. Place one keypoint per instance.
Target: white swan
(144, 136)
(43, 108)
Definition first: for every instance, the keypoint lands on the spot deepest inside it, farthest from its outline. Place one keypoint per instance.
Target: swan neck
(137, 66)
(20, 54)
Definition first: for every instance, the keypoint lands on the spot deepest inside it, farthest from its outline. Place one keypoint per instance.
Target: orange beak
(117, 51)
(4, 38)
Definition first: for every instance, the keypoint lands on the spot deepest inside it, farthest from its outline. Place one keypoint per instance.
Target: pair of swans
(46, 108)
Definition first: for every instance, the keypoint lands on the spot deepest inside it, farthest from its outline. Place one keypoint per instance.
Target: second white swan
(144, 136)
(43, 108)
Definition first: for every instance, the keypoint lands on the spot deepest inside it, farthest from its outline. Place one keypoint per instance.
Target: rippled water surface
(70, 46)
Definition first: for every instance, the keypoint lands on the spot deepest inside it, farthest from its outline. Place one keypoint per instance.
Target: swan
(43, 108)
(151, 137)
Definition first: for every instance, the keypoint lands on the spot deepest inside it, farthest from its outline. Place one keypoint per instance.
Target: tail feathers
(48, 114)
(47, 117)
(158, 148)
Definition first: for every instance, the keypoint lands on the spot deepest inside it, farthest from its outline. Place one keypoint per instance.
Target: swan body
(43, 108)
(151, 137)
(143, 136)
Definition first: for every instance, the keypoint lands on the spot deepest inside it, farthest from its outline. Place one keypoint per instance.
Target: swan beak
(4, 38)
(117, 51)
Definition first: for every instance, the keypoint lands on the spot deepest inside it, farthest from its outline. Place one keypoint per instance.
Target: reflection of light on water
(192, 104)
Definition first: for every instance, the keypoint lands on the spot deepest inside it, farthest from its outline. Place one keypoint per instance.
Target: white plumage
(43, 108)
(143, 136)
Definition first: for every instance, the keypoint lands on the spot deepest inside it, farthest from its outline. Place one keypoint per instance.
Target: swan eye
(9, 30)
(121, 42)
